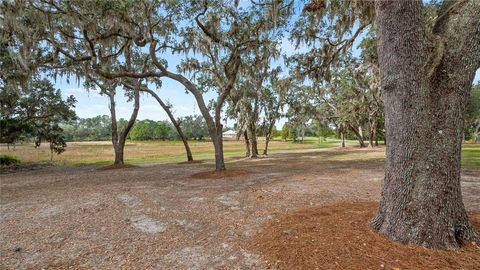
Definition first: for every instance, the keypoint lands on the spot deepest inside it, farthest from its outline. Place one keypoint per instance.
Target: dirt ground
(160, 217)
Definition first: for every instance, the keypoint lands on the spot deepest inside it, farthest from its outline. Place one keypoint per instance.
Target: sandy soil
(159, 217)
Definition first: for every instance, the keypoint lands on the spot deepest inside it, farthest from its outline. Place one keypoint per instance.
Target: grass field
(82, 153)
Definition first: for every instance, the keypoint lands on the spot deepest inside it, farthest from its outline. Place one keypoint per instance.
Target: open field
(78, 153)
(101, 153)
(156, 216)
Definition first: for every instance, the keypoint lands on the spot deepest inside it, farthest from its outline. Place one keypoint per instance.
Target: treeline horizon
(98, 128)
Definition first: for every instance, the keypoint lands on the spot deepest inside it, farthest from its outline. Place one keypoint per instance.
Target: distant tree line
(98, 128)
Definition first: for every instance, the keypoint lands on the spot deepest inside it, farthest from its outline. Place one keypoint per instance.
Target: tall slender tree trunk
(218, 145)
(247, 143)
(265, 150)
(174, 121)
(272, 120)
(119, 139)
(342, 134)
(358, 135)
(114, 131)
(252, 137)
(372, 135)
(476, 132)
(425, 89)
(268, 135)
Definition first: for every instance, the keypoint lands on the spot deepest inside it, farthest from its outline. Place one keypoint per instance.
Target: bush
(6, 160)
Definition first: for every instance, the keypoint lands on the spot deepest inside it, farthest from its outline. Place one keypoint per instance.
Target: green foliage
(284, 132)
(35, 110)
(98, 128)
(6, 160)
(194, 127)
(288, 132)
(472, 115)
(146, 130)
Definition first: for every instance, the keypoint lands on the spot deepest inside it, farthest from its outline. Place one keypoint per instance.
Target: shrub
(6, 160)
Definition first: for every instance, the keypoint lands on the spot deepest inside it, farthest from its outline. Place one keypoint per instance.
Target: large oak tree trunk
(425, 91)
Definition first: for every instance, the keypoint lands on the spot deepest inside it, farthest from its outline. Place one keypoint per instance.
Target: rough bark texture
(425, 83)
(174, 121)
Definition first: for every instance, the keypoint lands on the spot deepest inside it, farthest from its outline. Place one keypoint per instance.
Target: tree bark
(247, 143)
(268, 136)
(425, 89)
(113, 117)
(174, 121)
(372, 135)
(252, 137)
(118, 140)
(272, 119)
(477, 128)
(358, 135)
(218, 145)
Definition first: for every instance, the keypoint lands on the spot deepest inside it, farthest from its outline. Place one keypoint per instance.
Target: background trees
(35, 111)
(152, 130)
(472, 115)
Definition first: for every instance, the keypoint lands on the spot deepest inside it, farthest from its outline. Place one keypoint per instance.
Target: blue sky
(90, 104)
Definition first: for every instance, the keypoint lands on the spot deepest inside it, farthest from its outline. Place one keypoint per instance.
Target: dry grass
(140, 152)
(101, 153)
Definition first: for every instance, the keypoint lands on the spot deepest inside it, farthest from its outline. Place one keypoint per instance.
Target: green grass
(471, 155)
(101, 153)
(8, 160)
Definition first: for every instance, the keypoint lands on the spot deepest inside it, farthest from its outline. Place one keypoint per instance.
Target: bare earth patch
(116, 167)
(29, 166)
(337, 236)
(191, 162)
(159, 217)
(218, 175)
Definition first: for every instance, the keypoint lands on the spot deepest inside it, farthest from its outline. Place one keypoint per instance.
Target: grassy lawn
(471, 155)
(80, 153)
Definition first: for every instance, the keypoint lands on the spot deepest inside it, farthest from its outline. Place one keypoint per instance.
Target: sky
(91, 104)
